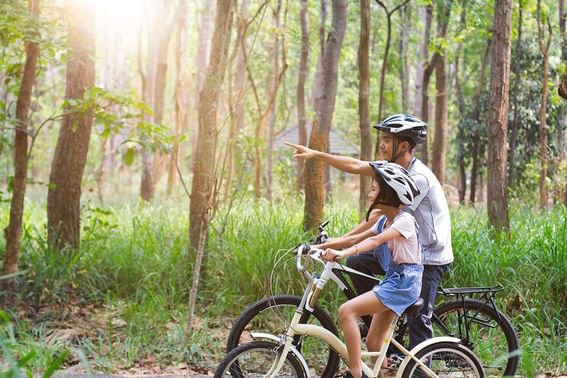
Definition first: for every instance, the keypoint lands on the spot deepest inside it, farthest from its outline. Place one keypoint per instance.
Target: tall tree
(441, 98)
(562, 128)
(515, 106)
(497, 193)
(544, 43)
(404, 29)
(201, 63)
(64, 193)
(477, 143)
(363, 100)
(237, 104)
(319, 139)
(462, 179)
(180, 95)
(389, 14)
(424, 72)
(14, 230)
(204, 167)
(275, 83)
(303, 71)
(159, 36)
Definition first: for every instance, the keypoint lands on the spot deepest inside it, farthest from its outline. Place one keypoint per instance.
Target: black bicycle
(468, 313)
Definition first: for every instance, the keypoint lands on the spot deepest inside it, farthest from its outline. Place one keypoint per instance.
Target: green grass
(133, 267)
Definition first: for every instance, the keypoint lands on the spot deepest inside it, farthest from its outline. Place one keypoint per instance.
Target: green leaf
(130, 156)
(55, 364)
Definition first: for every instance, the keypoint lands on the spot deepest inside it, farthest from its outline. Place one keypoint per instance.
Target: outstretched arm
(343, 163)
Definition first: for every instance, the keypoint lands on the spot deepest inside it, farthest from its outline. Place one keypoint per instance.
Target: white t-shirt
(431, 213)
(405, 249)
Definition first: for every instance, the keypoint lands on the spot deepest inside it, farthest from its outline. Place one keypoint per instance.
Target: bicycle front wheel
(446, 360)
(273, 315)
(483, 329)
(258, 359)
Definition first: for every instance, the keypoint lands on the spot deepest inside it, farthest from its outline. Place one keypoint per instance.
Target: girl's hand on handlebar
(332, 254)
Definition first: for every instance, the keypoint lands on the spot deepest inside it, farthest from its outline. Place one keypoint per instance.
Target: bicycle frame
(309, 298)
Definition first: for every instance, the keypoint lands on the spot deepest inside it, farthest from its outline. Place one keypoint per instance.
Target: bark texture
(64, 194)
(13, 232)
(204, 168)
(314, 172)
(363, 101)
(301, 80)
(497, 194)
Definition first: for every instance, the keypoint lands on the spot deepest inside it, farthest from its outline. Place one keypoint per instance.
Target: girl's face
(374, 190)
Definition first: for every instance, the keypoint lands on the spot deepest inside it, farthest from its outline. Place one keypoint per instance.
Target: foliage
(131, 273)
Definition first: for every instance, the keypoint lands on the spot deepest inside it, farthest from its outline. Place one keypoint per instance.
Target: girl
(392, 190)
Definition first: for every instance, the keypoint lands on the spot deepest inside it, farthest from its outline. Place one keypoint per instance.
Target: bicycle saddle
(415, 307)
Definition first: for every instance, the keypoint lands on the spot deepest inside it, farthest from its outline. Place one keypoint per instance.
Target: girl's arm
(345, 241)
(364, 245)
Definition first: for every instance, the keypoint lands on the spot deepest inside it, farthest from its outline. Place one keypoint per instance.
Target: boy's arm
(343, 163)
(366, 225)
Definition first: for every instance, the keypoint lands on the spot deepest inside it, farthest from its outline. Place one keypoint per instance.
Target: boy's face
(374, 190)
(386, 145)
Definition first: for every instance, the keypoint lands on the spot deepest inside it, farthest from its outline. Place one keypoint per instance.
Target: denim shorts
(401, 285)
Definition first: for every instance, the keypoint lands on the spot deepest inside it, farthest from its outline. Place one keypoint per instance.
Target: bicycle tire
(252, 311)
(446, 359)
(488, 352)
(233, 363)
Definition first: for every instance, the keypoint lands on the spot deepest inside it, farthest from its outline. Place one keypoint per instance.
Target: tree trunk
(314, 193)
(203, 172)
(13, 232)
(317, 92)
(274, 89)
(422, 58)
(385, 59)
(441, 100)
(363, 101)
(544, 160)
(514, 123)
(441, 116)
(302, 78)
(158, 43)
(561, 142)
(477, 150)
(64, 193)
(423, 76)
(404, 30)
(201, 63)
(562, 88)
(180, 96)
(462, 179)
(497, 194)
(240, 85)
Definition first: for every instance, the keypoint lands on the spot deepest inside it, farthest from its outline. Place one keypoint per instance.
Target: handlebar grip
(303, 249)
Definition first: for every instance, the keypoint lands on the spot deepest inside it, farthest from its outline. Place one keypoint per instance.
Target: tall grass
(134, 263)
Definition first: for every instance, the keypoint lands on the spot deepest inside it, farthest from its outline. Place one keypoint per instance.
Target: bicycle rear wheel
(446, 359)
(256, 359)
(483, 329)
(273, 315)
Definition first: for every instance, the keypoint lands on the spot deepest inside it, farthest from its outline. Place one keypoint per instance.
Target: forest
(147, 195)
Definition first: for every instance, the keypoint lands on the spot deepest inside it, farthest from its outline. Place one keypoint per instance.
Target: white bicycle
(276, 356)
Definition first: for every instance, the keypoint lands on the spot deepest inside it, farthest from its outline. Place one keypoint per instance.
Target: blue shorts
(401, 285)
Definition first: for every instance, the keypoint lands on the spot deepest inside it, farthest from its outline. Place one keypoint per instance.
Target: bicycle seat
(415, 307)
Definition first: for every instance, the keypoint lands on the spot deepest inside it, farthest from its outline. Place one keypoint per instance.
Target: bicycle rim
(273, 316)
(258, 359)
(446, 360)
(487, 332)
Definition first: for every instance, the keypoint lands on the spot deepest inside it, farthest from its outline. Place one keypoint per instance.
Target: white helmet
(404, 125)
(398, 179)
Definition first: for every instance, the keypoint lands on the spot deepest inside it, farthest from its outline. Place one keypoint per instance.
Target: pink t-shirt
(405, 249)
